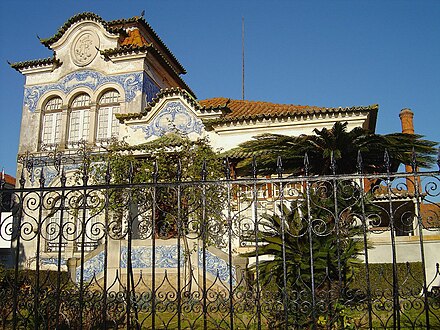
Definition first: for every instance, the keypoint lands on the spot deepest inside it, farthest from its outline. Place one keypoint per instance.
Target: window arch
(107, 124)
(51, 124)
(79, 119)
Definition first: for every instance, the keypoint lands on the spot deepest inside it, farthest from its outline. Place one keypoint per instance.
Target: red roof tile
(134, 38)
(9, 179)
(242, 109)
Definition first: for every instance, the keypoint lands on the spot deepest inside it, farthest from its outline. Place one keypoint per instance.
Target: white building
(117, 79)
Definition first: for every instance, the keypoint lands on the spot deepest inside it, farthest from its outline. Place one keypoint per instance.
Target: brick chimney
(406, 119)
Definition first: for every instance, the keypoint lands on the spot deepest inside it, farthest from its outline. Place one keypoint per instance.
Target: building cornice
(45, 64)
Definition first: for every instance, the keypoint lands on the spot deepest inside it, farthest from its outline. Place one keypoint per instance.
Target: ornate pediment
(174, 116)
(169, 114)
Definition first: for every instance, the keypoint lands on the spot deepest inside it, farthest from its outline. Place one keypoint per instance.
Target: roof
(9, 179)
(138, 44)
(129, 38)
(237, 110)
(74, 19)
(152, 32)
(35, 63)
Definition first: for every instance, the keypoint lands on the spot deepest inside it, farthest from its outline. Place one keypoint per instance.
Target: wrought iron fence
(336, 251)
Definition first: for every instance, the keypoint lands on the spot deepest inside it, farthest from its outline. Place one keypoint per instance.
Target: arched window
(51, 128)
(79, 119)
(108, 125)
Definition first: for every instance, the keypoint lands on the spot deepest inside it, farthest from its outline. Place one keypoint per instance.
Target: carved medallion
(85, 47)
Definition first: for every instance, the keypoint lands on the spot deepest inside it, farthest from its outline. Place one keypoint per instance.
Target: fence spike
(155, 171)
(333, 162)
(22, 179)
(179, 170)
(413, 160)
(57, 161)
(386, 159)
(63, 178)
(204, 171)
(279, 167)
(85, 177)
(359, 164)
(130, 172)
(107, 173)
(227, 169)
(254, 167)
(42, 178)
(29, 162)
(306, 164)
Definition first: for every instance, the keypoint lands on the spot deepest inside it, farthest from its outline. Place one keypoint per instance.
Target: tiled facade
(126, 57)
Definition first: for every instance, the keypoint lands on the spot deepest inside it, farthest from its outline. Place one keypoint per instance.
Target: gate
(322, 252)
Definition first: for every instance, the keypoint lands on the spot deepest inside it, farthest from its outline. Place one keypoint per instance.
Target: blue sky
(324, 53)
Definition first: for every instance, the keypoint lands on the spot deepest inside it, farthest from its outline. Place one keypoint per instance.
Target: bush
(409, 277)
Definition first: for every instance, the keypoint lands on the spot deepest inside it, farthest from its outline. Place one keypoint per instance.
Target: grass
(412, 312)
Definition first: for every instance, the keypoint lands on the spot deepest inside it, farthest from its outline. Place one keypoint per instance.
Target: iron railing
(322, 252)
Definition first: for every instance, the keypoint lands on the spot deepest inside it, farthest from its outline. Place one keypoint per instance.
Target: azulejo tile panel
(92, 267)
(52, 261)
(174, 116)
(142, 257)
(216, 266)
(130, 82)
(149, 88)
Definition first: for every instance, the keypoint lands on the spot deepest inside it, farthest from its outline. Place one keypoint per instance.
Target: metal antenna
(242, 58)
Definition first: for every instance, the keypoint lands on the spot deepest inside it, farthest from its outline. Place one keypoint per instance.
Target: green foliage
(342, 144)
(138, 164)
(409, 275)
(170, 158)
(317, 230)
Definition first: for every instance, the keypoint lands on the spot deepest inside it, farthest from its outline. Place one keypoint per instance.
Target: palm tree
(342, 144)
(316, 239)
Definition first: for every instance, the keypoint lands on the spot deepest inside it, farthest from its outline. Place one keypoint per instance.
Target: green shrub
(409, 277)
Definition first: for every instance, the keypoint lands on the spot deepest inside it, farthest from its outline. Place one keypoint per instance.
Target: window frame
(51, 120)
(111, 128)
(83, 113)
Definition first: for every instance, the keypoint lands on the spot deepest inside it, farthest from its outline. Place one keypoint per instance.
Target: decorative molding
(92, 267)
(217, 267)
(130, 82)
(175, 116)
(142, 257)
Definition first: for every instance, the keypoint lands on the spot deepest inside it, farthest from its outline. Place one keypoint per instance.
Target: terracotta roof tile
(243, 110)
(134, 38)
(120, 23)
(9, 179)
(216, 102)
